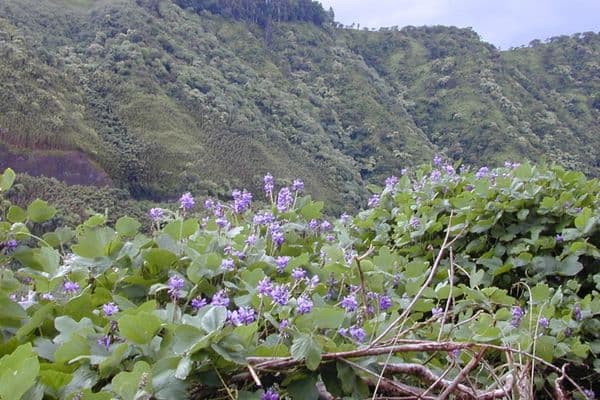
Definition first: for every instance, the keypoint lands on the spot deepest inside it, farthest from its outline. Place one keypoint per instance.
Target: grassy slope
(168, 100)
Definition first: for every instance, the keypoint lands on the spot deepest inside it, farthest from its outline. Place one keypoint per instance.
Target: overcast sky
(504, 23)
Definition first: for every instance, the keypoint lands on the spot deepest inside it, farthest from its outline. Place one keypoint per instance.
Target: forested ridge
(166, 97)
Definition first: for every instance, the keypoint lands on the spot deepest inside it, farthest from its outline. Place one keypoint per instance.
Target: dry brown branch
(461, 375)
(363, 285)
(558, 382)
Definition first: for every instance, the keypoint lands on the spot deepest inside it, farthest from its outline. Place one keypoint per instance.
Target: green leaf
(184, 368)
(127, 384)
(304, 347)
(16, 214)
(18, 372)
(127, 226)
(179, 229)
(544, 347)
(312, 210)
(212, 318)
(7, 179)
(304, 388)
(40, 211)
(139, 328)
(321, 317)
(94, 242)
(76, 346)
(11, 314)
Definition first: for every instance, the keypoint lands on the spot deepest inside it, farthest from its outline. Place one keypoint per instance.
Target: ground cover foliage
(205, 96)
(469, 284)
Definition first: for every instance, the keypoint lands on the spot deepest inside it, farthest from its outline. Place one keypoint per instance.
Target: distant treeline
(262, 12)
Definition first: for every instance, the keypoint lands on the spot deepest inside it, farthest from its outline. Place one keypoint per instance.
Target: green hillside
(162, 100)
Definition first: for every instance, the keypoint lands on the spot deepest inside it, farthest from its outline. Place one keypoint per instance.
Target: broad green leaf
(127, 384)
(7, 179)
(127, 226)
(304, 347)
(18, 372)
(94, 242)
(312, 210)
(321, 317)
(40, 211)
(16, 214)
(544, 347)
(139, 328)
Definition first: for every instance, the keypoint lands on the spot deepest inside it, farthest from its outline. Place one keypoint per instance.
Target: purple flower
(110, 309)
(282, 262)
(589, 394)
(48, 296)
(9, 246)
(222, 222)
(313, 282)
(345, 218)
(349, 303)
(70, 287)
(330, 237)
(251, 240)
(391, 182)
(264, 218)
(298, 185)
(373, 201)
(326, 226)
(577, 313)
(313, 224)
(104, 341)
(414, 223)
(156, 214)
(241, 316)
(264, 287)
(385, 302)
(436, 311)
(455, 353)
(437, 160)
(209, 204)
(435, 176)
(280, 294)
(270, 395)
(198, 303)
(482, 173)
(357, 333)
(449, 169)
(298, 273)
(241, 201)
(187, 201)
(176, 283)
(304, 305)
(283, 325)
(544, 323)
(559, 238)
(269, 184)
(284, 200)
(517, 316)
(227, 265)
(277, 236)
(220, 299)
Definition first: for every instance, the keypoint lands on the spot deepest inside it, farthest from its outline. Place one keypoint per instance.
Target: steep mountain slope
(164, 99)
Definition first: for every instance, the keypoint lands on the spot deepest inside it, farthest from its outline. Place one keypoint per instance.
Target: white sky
(504, 23)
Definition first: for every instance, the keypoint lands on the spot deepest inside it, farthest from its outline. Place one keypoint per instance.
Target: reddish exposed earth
(70, 166)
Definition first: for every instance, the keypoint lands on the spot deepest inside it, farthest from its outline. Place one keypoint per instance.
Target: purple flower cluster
(241, 200)
(435, 176)
(277, 236)
(345, 218)
(241, 316)
(544, 323)
(304, 305)
(198, 302)
(251, 240)
(269, 184)
(482, 173)
(349, 303)
(356, 333)
(186, 201)
(10, 245)
(175, 284)
(298, 186)
(373, 201)
(264, 287)
(227, 265)
(326, 226)
(110, 309)
(264, 218)
(280, 294)
(298, 274)
(156, 214)
(285, 199)
(70, 287)
(437, 311)
(270, 395)
(577, 316)
(589, 394)
(517, 316)
(391, 182)
(414, 223)
(281, 263)
(220, 299)
(437, 160)
(209, 204)
(104, 341)
(385, 302)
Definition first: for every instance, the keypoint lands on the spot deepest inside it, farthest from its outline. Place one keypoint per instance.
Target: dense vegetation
(478, 284)
(166, 99)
